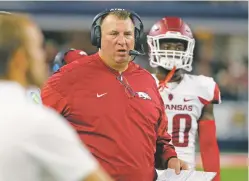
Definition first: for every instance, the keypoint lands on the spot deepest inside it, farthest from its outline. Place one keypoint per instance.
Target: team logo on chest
(143, 95)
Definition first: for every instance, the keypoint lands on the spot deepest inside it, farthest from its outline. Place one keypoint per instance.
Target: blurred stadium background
(221, 30)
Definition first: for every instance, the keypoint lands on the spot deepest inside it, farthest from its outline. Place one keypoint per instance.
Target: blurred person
(117, 114)
(188, 99)
(51, 49)
(62, 58)
(36, 143)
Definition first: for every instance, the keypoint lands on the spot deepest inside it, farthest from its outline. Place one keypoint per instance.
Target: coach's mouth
(122, 52)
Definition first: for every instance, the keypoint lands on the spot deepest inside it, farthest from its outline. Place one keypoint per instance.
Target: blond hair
(12, 36)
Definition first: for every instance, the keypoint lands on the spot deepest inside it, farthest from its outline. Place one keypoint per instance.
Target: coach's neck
(119, 67)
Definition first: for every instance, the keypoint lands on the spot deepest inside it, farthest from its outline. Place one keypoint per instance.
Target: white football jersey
(36, 143)
(183, 106)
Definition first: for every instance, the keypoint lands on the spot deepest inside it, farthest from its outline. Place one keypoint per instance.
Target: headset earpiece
(96, 36)
(137, 34)
(137, 39)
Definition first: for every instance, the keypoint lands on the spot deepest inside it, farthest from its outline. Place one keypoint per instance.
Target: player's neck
(162, 73)
(176, 79)
(161, 77)
(113, 65)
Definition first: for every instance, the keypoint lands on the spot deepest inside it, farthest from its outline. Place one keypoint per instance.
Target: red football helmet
(74, 54)
(171, 28)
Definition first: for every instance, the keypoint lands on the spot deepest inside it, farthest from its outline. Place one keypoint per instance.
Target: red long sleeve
(209, 147)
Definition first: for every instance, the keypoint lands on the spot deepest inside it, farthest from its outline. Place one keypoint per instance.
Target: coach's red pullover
(120, 118)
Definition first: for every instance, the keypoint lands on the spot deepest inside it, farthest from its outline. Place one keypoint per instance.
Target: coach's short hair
(120, 14)
(12, 36)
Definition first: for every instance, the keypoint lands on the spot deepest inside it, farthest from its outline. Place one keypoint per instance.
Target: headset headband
(133, 14)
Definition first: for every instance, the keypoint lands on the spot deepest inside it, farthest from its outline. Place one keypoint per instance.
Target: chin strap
(163, 84)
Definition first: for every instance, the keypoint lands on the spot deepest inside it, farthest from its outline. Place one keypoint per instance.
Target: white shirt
(36, 144)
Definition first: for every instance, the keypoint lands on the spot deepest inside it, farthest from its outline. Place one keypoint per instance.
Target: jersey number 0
(180, 130)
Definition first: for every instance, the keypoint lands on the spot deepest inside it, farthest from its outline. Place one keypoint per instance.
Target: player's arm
(208, 143)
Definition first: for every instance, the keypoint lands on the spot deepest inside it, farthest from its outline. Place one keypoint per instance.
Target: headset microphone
(135, 53)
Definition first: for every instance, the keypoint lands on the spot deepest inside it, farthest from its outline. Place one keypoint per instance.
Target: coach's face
(117, 38)
(37, 70)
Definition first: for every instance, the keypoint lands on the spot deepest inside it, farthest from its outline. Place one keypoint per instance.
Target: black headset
(96, 29)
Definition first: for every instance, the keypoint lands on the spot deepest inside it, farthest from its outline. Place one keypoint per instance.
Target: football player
(188, 98)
